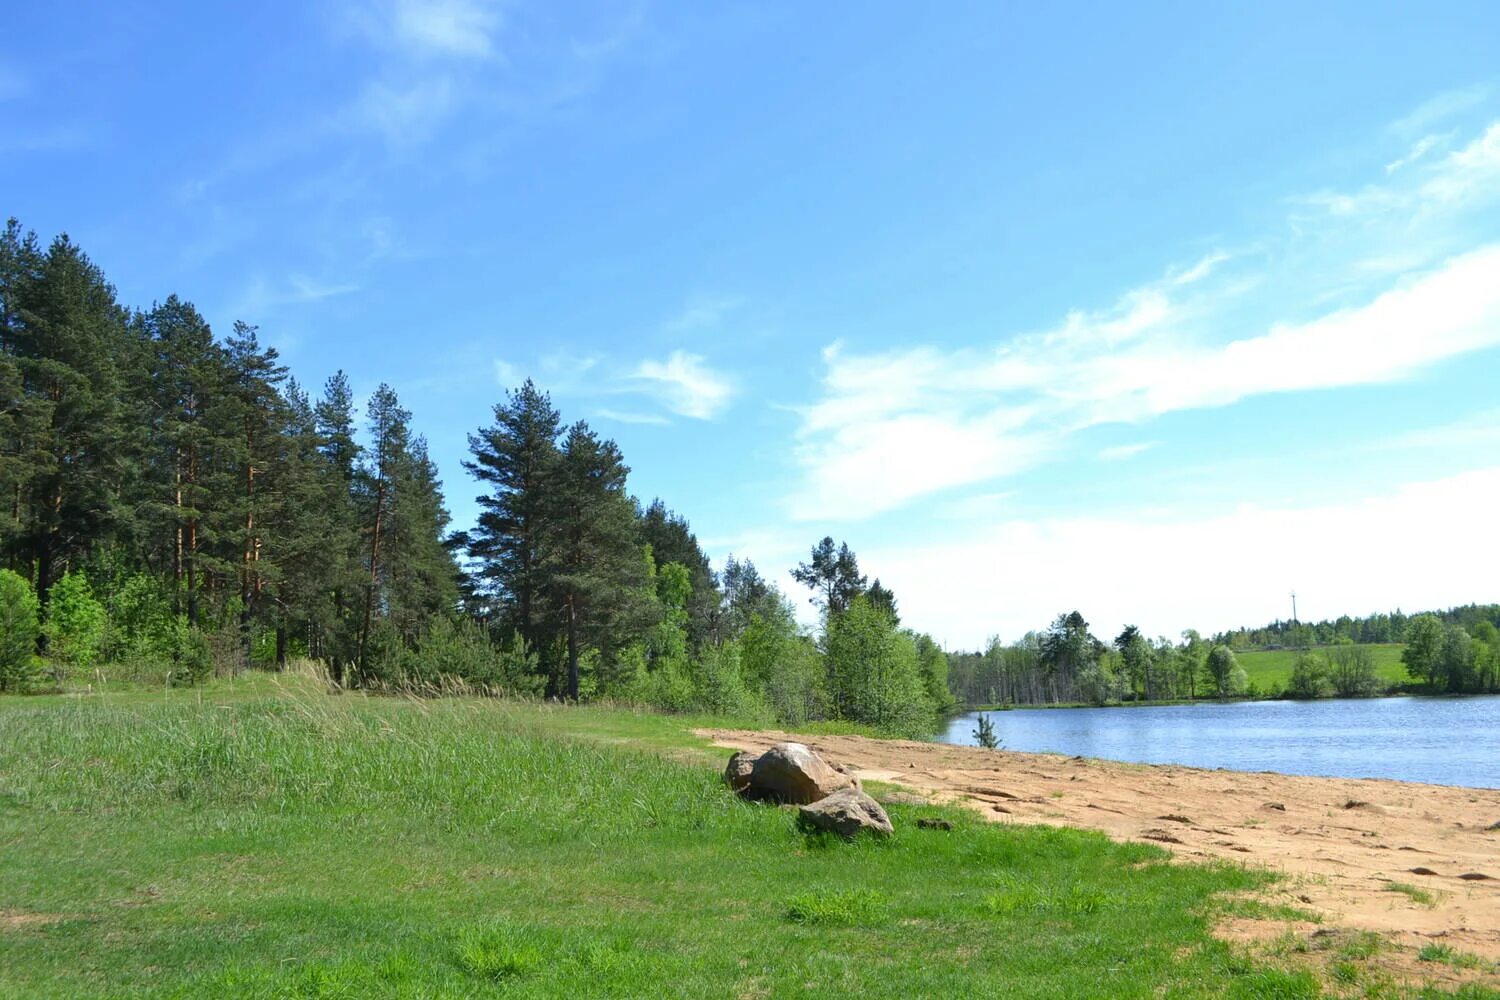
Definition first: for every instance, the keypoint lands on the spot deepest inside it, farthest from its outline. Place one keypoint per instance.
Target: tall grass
(294, 844)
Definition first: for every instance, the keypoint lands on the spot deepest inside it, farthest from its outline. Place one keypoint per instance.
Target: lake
(1447, 741)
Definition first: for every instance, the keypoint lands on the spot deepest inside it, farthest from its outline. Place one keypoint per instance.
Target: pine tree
(516, 459)
(188, 382)
(377, 479)
(254, 459)
(335, 627)
(833, 575)
(65, 334)
(593, 567)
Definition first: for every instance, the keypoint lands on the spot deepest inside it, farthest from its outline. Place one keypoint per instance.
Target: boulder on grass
(790, 772)
(737, 771)
(846, 812)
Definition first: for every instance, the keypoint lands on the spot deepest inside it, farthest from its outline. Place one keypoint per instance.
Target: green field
(269, 840)
(1272, 668)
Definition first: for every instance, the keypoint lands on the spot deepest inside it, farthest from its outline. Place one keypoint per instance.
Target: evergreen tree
(833, 576)
(516, 459)
(594, 574)
(376, 482)
(64, 336)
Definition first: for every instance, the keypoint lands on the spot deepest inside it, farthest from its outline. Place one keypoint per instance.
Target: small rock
(1476, 877)
(1493, 826)
(934, 824)
(903, 799)
(1160, 835)
(1421, 871)
(999, 809)
(1176, 818)
(846, 812)
(1278, 806)
(737, 771)
(790, 772)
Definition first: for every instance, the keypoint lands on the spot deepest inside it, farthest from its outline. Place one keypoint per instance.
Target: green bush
(1309, 678)
(192, 655)
(76, 622)
(18, 632)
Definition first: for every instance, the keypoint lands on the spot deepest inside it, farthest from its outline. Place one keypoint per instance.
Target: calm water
(1449, 741)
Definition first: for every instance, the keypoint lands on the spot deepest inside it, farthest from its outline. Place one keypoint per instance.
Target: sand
(1344, 842)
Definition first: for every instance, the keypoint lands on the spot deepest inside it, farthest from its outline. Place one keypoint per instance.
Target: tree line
(177, 504)
(1381, 627)
(1067, 664)
(1457, 652)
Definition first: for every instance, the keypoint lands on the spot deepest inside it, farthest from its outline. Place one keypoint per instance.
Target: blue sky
(1158, 311)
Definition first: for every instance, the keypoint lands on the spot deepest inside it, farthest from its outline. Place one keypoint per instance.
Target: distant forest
(177, 505)
(1453, 651)
(1390, 626)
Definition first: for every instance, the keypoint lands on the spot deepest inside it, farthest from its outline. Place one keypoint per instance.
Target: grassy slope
(271, 841)
(1273, 667)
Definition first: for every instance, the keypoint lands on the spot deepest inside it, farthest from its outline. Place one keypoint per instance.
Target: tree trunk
(572, 649)
(364, 630)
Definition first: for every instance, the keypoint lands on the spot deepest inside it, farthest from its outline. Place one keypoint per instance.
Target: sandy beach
(1344, 842)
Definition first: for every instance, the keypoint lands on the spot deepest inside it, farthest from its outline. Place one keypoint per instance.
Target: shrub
(984, 735)
(18, 632)
(192, 655)
(76, 622)
(1309, 678)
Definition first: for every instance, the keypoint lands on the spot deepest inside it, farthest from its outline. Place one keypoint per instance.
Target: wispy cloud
(447, 27)
(686, 385)
(1120, 452)
(1419, 149)
(264, 295)
(702, 312)
(631, 418)
(1477, 433)
(1440, 109)
(894, 426)
(954, 590)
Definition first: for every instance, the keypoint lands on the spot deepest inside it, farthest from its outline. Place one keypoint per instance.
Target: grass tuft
(498, 952)
(840, 908)
(1419, 896)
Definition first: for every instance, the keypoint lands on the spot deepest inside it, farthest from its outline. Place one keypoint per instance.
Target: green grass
(1419, 896)
(1449, 956)
(1272, 668)
(270, 841)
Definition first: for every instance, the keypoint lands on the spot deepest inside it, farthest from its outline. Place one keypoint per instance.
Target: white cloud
(1211, 574)
(429, 29)
(1200, 270)
(1441, 108)
(1474, 434)
(686, 385)
(1120, 452)
(894, 426)
(446, 27)
(264, 295)
(507, 374)
(625, 417)
(408, 112)
(702, 312)
(1419, 149)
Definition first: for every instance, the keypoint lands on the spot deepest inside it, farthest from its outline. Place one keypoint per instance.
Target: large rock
(846, 812)
(790, 772)
(737, 771)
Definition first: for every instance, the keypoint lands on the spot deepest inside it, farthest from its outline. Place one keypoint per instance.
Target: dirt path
(1346, 842)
